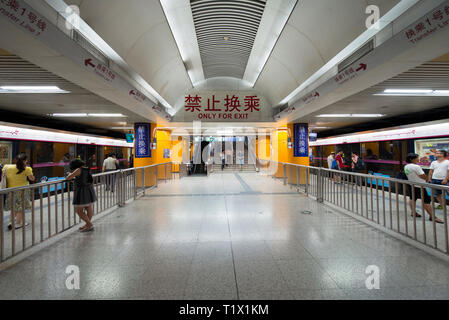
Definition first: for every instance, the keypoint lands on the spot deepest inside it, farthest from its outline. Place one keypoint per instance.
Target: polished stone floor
(227, 236)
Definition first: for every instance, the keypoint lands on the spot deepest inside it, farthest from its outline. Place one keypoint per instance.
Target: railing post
(143, 181)
(298, 180)
(319, 196)
(134, 183)
(307, 180)
(285, 174)
(122, 191)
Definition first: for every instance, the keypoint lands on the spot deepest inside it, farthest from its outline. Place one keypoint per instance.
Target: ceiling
(222, 38)
(17, 71)
(226, 31)
(431, 75)
(145, 41)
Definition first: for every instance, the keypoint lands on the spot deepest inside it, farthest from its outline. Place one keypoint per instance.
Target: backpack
(334, 164)
(401, 175)
(360, 165)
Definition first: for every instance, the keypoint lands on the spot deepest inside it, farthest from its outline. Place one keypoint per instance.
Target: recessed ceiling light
(122, 128)
(351, 115)
(408, 91)
(226, 38)
(414, 93)
(31, 89)
(442, 92)
(78, 115)
(107, 115)
(68, 115)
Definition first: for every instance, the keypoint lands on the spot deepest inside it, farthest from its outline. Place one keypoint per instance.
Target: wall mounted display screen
(426, 149)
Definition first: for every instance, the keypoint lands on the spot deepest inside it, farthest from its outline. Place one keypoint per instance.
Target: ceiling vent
(86, 44)
(359, 54)
(226, 31)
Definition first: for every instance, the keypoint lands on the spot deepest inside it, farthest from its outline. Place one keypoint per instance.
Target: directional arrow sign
(88, 62)
(363, 67)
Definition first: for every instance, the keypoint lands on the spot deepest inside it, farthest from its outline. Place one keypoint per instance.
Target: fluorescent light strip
(31, 89)
(180, 19)
(351, 115)
(408, 91)
(390, 16)
(82, 115)
(274, 19)
(414, 93)
(67, 115)
(106, 115)
(60, 6)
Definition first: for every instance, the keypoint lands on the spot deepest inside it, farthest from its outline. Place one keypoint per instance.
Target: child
(84, 195)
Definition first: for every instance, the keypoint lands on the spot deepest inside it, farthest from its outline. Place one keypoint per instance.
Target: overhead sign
(300, 140)
(142, 140)
(223, 106)
(425, 27)
(19, 13)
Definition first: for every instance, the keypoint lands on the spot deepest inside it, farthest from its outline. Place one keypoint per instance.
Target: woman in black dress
(84, 195)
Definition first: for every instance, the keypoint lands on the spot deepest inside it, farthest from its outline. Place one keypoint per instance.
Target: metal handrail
(51, 211)
(368, 197)
(364, 175)
(49, 183)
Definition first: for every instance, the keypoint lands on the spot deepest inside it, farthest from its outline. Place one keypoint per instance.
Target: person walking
(110, 164)
(439, 174)
(415, 173)
(330, 160)
(222, 160)
(84, 194)
(340, 164)
(357, 166)
(18, 175)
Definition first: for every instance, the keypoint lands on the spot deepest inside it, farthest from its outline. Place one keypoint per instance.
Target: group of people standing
(438, 175)
(20, 174)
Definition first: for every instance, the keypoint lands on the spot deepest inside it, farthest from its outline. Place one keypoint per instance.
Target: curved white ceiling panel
(138, 31)
(226, 31)
(314, 34)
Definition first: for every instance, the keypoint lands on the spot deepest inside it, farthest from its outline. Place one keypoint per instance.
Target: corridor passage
(227, 236)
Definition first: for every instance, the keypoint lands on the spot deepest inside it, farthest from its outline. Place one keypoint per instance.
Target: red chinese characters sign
(20, 14)
(438, 19)
(231, 107)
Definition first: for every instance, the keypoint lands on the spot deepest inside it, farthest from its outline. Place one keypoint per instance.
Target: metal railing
(388, 202)
(48, 206)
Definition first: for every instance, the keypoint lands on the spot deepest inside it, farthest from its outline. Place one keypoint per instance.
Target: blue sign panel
(300, 140)
(142, 140)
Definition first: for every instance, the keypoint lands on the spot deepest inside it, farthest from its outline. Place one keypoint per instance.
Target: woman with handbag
(13, 176)
(84, 196)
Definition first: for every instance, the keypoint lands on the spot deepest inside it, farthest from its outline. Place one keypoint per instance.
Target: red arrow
(362, 67)
(88, 62)
(132, 93)
(317, 94)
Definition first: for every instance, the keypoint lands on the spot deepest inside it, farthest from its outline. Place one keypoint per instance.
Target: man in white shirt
(415, 173)
(330, 159)
(110, 164)
(439, 173)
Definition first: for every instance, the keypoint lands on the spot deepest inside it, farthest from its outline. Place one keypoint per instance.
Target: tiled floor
(227, 236)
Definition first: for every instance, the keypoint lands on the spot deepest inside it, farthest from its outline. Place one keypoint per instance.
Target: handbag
(3, 184)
